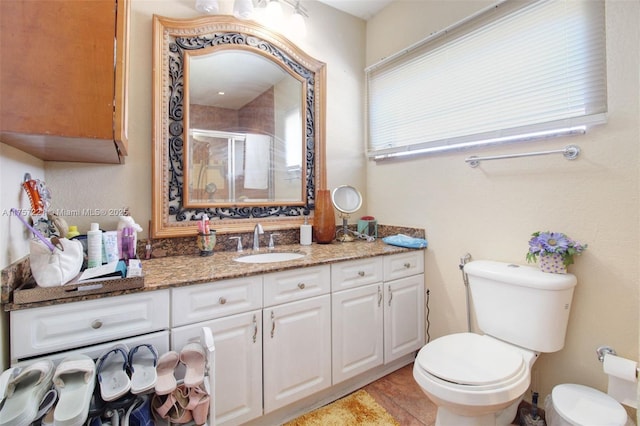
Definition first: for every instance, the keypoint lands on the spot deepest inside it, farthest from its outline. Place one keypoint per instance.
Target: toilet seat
(582, 405)
(472, 360)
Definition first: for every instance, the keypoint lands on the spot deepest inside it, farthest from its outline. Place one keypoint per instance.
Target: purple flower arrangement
(550, 243)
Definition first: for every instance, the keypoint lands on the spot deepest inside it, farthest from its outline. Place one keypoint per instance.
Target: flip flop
(24, 393)
(142, 364)
(74, 379)
(112, 373)
(166, 381)
(193, 357)
(6, 376)
(47, 404)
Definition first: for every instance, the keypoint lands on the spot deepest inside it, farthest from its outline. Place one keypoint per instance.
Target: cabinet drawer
(214, 300)
(72, 325)
(159, 340)
(296, 284)
(355, 273)
(403, 265)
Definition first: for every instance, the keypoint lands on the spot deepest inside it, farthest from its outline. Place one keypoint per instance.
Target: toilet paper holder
(608, 350)
(604, 350)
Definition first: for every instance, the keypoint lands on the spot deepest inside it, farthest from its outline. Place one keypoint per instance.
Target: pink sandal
(198, 404)
(172, 408)
(193, 357)
(166, 381)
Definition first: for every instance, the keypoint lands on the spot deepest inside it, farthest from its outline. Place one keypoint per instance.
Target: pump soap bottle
(305, 233)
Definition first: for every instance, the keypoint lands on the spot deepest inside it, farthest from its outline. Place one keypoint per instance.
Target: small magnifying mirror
(346, 199)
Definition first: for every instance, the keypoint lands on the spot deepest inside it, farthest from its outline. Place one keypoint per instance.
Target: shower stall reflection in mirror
(235, 168)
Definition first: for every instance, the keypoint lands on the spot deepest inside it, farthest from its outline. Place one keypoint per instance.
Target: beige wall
(491, 211)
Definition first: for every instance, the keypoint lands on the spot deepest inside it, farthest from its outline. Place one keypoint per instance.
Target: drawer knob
(222, 300)
(407, 265)
(96, 324)
(301, 286)
(361, 273)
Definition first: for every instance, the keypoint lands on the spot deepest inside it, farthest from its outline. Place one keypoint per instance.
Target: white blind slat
(534, 66)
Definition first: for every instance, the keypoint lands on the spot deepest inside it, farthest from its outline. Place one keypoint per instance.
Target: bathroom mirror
(347, 200)
(238, 127)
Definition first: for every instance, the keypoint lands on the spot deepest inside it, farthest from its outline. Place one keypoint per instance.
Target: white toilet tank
(521, 304)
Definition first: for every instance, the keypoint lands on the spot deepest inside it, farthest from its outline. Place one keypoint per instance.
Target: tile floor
(401, 396)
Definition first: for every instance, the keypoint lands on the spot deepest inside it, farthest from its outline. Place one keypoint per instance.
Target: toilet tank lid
(583, 405)
(526, 276)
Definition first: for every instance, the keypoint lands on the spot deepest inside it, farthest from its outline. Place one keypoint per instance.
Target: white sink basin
(269, 257)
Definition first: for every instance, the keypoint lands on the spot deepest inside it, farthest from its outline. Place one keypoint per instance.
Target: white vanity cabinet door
(201, 302)
(355, 273)
(403, 265)
(357, 331)
(296, 284)
(403, 316)
(296, 350)
(47, 329)
(238, 375)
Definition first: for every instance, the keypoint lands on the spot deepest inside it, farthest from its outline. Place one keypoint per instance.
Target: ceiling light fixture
(243, 9)
(274, 16)
(269, 12)
(207, 6)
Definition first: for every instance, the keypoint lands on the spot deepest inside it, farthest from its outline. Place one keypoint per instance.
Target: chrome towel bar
(570, 152)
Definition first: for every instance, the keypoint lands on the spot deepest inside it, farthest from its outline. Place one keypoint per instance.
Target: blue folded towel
(402, 240)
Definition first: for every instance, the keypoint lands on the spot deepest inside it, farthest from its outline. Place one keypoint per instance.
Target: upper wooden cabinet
(63, 78)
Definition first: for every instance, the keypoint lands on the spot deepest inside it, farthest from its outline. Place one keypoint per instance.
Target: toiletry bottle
(94, 246)
(305, 233)
(73, 232)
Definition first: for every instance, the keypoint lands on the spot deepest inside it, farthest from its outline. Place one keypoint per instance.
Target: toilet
(479, 379)
(577, 405)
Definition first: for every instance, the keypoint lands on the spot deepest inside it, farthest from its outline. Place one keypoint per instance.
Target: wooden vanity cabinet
(63, 78)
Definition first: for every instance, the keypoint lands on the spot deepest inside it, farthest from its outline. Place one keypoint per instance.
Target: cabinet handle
(273, 324)
(255, 328)
(361, 273)
(390, 295)
(301, 286)
(222, 300)
(407, 265)
(96, 324)
(379, 296)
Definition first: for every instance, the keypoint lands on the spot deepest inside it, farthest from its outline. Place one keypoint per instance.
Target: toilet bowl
(479, 379)
(578, 405)
(474, 379)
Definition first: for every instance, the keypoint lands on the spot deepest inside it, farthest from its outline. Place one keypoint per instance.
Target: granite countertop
(185, 270)
(175, 271)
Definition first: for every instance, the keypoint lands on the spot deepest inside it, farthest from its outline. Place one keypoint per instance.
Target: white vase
(552, 263)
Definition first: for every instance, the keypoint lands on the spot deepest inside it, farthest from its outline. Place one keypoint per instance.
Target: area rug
(358, 408)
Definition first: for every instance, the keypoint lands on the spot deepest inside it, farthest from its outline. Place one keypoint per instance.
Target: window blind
(510, 72)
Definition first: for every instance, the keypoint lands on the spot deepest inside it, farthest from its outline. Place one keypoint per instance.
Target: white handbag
(52, 268)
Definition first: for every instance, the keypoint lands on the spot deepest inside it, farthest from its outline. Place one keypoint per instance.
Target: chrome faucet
(257, 231)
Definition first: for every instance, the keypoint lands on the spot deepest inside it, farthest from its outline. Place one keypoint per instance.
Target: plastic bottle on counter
(94, 246)
(305, 233)
(73, 232)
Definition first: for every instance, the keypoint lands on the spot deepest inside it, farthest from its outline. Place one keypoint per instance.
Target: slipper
(112, 373)
(166, 381)
(24, 393)
(193, 357)
(142, 364)
(74, 379)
